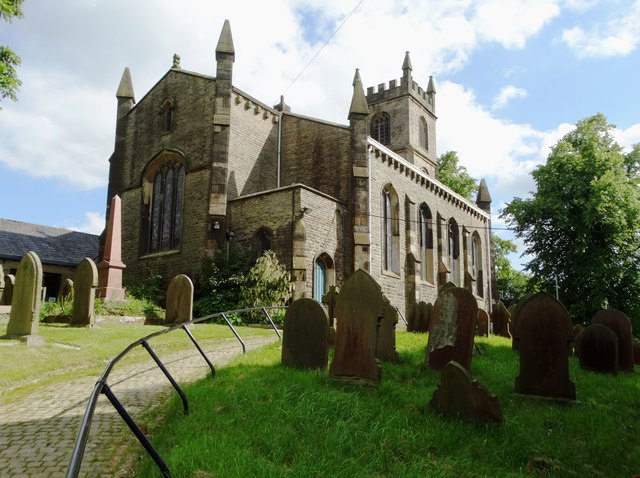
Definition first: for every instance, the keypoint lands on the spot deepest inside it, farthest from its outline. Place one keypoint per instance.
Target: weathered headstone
(358, 311)
(7, 293)
(26, 301)
(386, 342)
(501, 320)
(459, 396)
(544, 332)
(453, 320)
(514, 321)
(597, 349)
(636, 351)
(111, 266)
(179, 300)
(621, 326)
(419, 317)
(305, 336)
(482, 323)
(330, 298)
(85, 280)
(1, 282)
(65, 294)
(577, 329)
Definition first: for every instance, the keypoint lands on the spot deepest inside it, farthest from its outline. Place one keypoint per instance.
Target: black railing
(102, 387)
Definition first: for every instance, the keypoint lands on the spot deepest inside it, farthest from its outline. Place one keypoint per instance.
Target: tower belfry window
(381, 128)
(423, 134)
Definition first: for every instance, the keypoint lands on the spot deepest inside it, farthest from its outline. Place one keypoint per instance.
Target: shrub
(149, 289)
(266, 284)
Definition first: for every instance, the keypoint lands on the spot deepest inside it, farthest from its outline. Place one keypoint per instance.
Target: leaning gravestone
(419, 317)
(386, 342)
(459, 396)
(453, 320)
(597, 349)
(305, 336)
(621, 326)
(501, 320)
(482, 323)
(179, 300)
(544, 332)
(358, 310)
(7, 293)
(26, 301)
(85, 281)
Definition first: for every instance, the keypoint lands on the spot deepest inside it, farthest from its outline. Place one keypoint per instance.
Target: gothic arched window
(476, 263)
(381, 128)
(165, 218)
(322, 275)
(454, 251)
(390, 230)
(167, 115)
(423, 134)
(425, 223)
(262, 241)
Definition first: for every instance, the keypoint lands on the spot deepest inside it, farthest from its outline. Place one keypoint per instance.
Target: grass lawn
(257, 418)
(70, 352)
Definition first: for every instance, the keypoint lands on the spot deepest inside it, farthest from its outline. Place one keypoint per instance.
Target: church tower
(403, 118)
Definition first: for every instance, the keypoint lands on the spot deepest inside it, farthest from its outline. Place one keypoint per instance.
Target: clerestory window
(425, 223)
(391, 230)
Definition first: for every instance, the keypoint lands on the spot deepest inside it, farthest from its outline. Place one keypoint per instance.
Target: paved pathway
(37, 433)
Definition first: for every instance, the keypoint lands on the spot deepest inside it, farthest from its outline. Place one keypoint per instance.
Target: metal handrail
(102, 388)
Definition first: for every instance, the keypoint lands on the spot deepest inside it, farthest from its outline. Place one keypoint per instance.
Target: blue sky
(512, 76)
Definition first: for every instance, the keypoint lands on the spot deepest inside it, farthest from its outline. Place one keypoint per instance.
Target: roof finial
(358, 101)
(125, 89)
(406, 64)
(225, 42)
(176, 61)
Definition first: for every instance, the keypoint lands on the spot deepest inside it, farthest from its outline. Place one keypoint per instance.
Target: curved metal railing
(103, 388)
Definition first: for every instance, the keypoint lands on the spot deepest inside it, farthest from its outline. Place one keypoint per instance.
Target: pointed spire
(282, 106)
(125, 90)
(483, 200)
(431, 87)
(358, 101)
(225, 42)
(406, 64)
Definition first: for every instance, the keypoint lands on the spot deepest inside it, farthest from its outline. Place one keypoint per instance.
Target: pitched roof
(53, 245)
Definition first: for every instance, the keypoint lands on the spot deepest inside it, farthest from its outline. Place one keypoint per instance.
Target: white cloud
(506, 94)
(617, 37)
(94, 223)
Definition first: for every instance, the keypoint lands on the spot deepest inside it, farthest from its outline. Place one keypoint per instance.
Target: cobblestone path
(38, 432)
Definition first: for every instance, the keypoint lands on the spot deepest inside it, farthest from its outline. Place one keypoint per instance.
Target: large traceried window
(381, 128)
(165, 218)
(454, 251)
(425, 224)
(476, 263)
(423, 134)
(390, 230)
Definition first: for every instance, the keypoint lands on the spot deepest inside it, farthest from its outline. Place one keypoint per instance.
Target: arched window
(391, 230)
(322, 276)
(380, 128)
(476, 263)
(167, 115)
(454, 251)
(423, 134)
(425, 223)
(262, 241)
(165, 218)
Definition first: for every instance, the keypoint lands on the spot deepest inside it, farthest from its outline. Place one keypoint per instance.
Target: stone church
(198, 162)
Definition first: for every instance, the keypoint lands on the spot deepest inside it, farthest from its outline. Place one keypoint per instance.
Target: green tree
(512, 283)
(582, 223)
(266, 284)
(454, 176)
(9, 82)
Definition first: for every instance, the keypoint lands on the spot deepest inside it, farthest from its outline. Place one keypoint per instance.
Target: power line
(322, 47)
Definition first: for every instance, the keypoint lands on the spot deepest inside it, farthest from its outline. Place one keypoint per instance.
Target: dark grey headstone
(621, 326)
(453, 320)
(358, 311)
(482, 323)
(597, 349)
(305, 336)
(386, 343)
(544, 332)
(419, 317)
(459, 396)
(501, 320)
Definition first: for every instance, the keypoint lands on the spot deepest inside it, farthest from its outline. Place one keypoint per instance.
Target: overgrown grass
(70, 352)
(260, 419)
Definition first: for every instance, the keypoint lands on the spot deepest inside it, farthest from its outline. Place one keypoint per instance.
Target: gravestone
(621, 326)
(419, 317)
(26, 301)
(65, 294)
(305, 336)
(482, 323)
(597, 349)
(544, 331)
(85, 280)
(501, 320)
(330, 298)
(1, 282)
(636, 351)
(514, 320)
(453, 320)
(358, 310)
(577, 329)
(459, 396)
(7, 293)
(179, 307)
(386, 341)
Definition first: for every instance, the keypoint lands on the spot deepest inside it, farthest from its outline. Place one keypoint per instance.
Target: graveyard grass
(257, 418)
(70, 352)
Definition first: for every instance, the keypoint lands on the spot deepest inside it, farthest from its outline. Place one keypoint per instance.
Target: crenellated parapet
(400, 87)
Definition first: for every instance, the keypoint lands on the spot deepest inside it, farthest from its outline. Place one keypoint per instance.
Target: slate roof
(54, 246)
